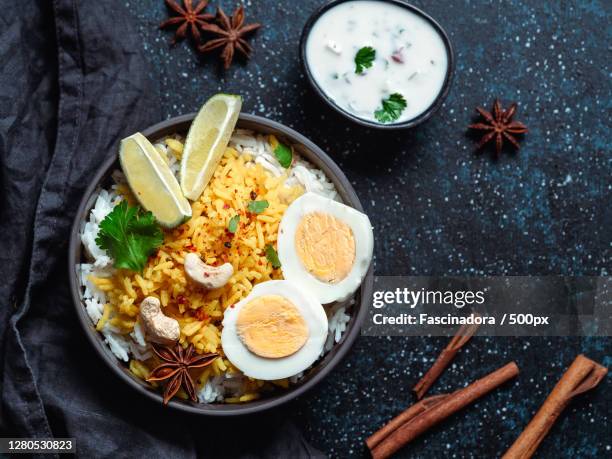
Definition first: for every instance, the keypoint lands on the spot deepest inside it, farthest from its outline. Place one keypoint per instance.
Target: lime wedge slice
(206, 142)
(152, 181)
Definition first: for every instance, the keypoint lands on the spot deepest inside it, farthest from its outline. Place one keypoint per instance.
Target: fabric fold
(74, 83)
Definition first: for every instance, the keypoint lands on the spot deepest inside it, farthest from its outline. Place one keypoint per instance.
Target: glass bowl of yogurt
(380, 63)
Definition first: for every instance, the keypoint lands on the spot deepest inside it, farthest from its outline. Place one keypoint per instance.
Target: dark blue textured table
(438, 208)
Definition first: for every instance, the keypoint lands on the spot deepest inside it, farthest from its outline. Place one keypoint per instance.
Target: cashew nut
(159, 328)
(209, 277)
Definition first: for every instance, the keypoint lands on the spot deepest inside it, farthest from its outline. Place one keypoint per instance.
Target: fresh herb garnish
(232, 226)
(272, 256)
(257, 207)
(392, 108)
(130, 236)
(364, 58)
(284, 155)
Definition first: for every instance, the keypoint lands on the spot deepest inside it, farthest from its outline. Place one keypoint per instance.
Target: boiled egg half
(325, 247)
(277, 331)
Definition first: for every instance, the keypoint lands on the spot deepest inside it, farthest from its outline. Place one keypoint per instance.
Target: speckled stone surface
(440, 209)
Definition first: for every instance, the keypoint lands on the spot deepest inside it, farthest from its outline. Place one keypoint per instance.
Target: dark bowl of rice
(77, 256)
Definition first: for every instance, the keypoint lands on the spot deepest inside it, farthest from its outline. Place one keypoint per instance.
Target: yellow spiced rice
(237, 180)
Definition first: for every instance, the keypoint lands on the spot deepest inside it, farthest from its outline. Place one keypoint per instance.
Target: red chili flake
(181, 300)
(232, 305)
(191, 248)
(206, 274)
(200, 314)
(226, 206)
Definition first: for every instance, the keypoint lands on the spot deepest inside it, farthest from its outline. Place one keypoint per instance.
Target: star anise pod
(499, 125)
(175, 367)
(189, 18)
(231, 33)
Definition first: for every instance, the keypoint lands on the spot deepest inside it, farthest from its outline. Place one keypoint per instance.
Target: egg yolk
(325, 246)
(271, 326)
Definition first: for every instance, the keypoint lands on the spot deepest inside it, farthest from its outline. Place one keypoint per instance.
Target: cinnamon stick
(428, 412)
(402, 418)
(463, 335)
(584, 374)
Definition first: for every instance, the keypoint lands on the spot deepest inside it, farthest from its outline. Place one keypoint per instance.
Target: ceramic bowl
(321, 368)
(433, 108)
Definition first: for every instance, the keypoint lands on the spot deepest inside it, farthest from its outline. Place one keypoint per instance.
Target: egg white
(291, 265)
(276, 368)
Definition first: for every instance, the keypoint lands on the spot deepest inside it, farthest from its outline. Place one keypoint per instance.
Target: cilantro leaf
(272, 256)
(364, 58)
(257, 207)
(129, 236)
(232, 226)
(392, 108)
(284, 155)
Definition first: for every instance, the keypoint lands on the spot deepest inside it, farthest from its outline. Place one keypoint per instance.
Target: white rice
(173, 163)
(105, 202)
(337, 320)
(301, 171)
(219, 387)
(100, 264)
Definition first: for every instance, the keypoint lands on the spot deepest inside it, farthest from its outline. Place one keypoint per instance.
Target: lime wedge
(206, 142)
(152, 181)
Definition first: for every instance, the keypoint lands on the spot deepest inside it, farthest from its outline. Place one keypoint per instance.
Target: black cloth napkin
(74, 82)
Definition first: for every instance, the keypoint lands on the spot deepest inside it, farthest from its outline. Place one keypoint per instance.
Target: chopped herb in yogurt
(392, 108)
(364, 59)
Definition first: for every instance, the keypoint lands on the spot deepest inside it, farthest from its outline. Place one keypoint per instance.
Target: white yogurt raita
(409, 59)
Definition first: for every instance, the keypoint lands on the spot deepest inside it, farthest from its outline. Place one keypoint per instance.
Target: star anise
(499, 125)
(231, 34)
(189, 17)
(175, 367)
